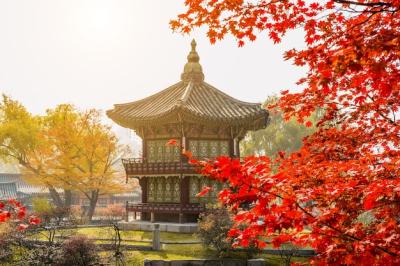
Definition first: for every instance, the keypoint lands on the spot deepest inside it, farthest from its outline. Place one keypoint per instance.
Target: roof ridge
(187, 92)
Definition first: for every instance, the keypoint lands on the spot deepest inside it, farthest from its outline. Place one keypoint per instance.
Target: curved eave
(253, 121)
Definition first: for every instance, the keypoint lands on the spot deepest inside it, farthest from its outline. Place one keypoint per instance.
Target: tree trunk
(92, 206)
(56, 197)
(67, 198)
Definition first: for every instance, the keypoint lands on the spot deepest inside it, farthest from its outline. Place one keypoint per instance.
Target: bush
(47, 212)
(49, 254)
(42, 208)
(6, 252)
(111, 212)
(77, 215)
(79, 251)
(214, 226)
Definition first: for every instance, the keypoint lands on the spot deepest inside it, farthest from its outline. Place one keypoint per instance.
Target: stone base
(164, 227)
(226, 262)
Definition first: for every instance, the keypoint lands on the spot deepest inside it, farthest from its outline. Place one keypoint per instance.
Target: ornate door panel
(164, 189)
(209, 148)
(158, 151)
(197, 183)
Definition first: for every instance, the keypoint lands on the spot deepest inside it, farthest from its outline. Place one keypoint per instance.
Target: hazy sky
(94, 53)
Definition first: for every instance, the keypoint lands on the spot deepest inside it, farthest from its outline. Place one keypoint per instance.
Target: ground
(168, 252)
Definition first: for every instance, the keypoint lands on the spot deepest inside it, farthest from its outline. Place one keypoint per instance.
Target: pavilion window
(197, 183)
(162, 189)
(209, 148)
(158, 151)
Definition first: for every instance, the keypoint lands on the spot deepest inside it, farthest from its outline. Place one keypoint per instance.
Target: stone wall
(210, 262)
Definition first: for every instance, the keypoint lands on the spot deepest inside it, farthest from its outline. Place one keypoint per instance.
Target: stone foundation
(226, 262)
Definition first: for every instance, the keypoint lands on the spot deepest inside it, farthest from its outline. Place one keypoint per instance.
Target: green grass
(168, 252)
(108, 232)
(190, 252)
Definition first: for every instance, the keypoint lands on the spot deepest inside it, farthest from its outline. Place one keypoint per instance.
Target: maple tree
(12, 211)
(343, 185)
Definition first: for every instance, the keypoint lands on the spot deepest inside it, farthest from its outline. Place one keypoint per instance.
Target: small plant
(214, 226)
(14, 222)
(77, 215)
(47, 212)
(287, 251)
(6, 237)
(79, 251)
(42, 208)
(40, 255)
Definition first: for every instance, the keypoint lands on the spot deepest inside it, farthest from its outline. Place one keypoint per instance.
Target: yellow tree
(66, 149)
(22, 140)
(91, 152)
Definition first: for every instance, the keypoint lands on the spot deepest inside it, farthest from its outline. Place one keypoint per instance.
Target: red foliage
(13, 211)
(348, 169)
(203, 192)
(172, 142)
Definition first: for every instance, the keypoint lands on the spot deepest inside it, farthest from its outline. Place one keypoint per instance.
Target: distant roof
(191, 99)
(21, 185)
(8, 191)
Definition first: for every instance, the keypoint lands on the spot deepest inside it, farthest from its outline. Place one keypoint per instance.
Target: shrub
(79, 251)
(77, 215)
(47, 212)
(6, 237)
(111, 212)
(214, 226)
(42, 208)
(49, 254)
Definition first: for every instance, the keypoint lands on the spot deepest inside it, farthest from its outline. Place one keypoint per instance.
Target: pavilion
(203, 120)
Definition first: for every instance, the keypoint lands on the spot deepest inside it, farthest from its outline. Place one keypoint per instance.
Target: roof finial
(193, 70)
(193, 44)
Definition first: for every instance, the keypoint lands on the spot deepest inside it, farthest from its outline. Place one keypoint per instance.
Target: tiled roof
(8, 191)
(191, 98)
(21, 185)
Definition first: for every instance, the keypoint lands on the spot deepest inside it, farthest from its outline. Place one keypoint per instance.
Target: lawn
(190, 252)
(168, 252)
(108, 232)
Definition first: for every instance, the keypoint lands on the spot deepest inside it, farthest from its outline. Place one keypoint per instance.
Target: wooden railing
(140, 166)
(188, 208)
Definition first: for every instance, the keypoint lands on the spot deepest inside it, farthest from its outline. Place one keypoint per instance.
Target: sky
(96, 53)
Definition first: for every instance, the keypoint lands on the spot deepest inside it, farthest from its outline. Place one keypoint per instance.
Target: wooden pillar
(144, 149)
(231, 148)
(126, 212)
(152, 220)
(143, 182)
(236, 147)
(184, 197)
(184, 187)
